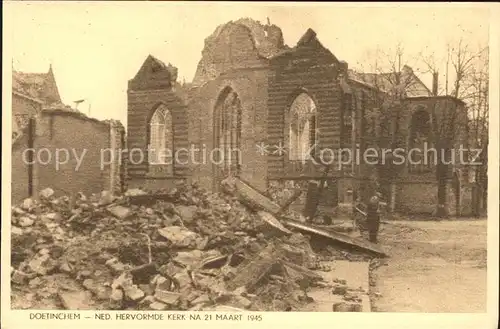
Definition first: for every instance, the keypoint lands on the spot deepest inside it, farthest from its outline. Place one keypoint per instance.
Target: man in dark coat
(373, 217)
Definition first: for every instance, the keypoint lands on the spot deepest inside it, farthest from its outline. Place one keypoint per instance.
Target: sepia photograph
(244, 157)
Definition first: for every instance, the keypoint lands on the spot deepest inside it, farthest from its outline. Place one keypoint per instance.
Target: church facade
(264, 112)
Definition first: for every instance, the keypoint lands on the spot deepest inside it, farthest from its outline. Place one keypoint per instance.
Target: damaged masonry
(293, 160)
(182, 249)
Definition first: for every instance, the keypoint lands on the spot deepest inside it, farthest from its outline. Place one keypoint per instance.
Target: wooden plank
(252, 273)
(336, 237)
(272, 221)
(288, 203)
(250, 196)
(150, 199)
(304, 272)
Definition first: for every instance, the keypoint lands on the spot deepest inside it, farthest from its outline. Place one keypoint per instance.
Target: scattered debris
(182, 249)
(337, 237)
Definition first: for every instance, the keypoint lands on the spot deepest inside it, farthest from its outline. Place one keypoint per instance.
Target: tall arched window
(161, 137)
(227, 129)
(302, 130)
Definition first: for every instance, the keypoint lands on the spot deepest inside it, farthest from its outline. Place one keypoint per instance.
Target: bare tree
(448, 123)
(392, 75)
(396, 81)
(390, 79)
(478, 106)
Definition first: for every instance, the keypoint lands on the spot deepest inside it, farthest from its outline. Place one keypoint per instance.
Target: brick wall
(233, 48)
(23, 107)
(419, 196)
(251, 88)
(443, 107)
(312, 69)
(141, 106)
(60, 130)
(20, 176)
(231, 59)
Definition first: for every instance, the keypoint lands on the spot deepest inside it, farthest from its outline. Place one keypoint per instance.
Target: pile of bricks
(182, 249)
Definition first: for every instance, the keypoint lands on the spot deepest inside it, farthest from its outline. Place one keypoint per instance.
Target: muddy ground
(434, 267)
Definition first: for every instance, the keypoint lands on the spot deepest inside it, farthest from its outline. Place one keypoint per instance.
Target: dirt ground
(433, 267)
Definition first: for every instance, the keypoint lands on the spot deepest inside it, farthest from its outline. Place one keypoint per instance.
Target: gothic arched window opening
(303, 128)
(161, 137)
(228, 132)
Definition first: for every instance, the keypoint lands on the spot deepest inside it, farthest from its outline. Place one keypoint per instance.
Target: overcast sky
(95, 48)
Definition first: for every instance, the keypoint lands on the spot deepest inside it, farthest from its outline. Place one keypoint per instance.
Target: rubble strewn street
(181, 249)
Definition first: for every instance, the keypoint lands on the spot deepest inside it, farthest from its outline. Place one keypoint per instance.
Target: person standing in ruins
(373, 217)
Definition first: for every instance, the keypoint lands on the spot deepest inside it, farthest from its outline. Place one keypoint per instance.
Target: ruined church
(271, 103)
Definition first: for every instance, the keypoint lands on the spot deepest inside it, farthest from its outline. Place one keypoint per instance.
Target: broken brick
(134, 192)
(143, 273)
(106, 198)
(25, 221)
(35, 282)
(146, 288)
(203, 299)
(183, 279)
(133, 292)
(189, 258)
(44, 251)
(46, 193)
(76, 300)
(339, 290)
(16, 230)
(163, 283)
(120, 212)
(186, 213)
(241, 301)
(201, 243)
(85, 273)
(115, 265)
(178, 236)
(147, 300)
(42, 264)
(116, 295)
(19, 277)
(52, 216)
(88, 284)
(169, 269)
(158, 306)
(124, 280)
(65, 267)
(167, 297)
(27, 204)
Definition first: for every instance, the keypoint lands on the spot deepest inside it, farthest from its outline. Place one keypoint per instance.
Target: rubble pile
(182, 249)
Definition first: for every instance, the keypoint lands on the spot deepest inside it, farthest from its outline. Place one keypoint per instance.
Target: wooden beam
(336, 237)
(250, 196)
(252, 273)
(289, 202)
